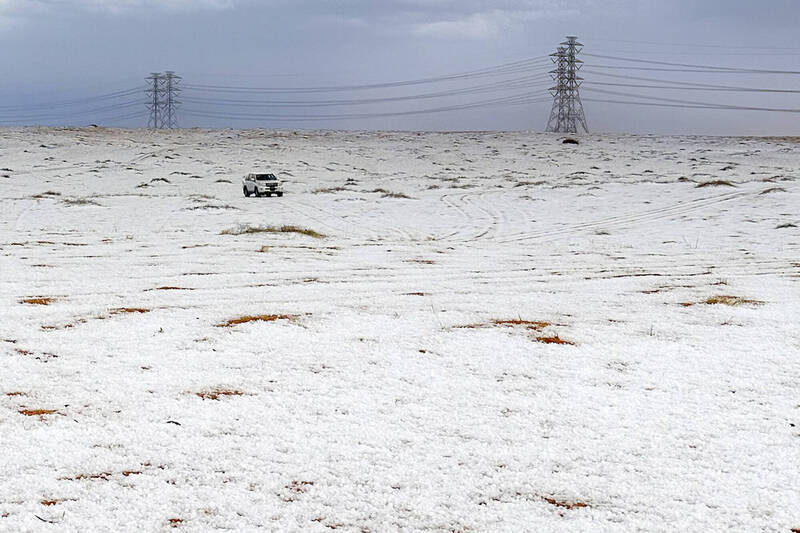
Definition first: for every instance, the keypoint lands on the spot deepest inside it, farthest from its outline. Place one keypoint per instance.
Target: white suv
(262, 184)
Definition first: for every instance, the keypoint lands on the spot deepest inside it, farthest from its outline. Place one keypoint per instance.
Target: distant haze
(62, 51)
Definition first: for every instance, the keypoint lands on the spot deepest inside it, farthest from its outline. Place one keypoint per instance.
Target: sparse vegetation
(102, 475)
(715, 183)
(46, 194)
(555, 339)
(535, 329)
(215, 394)
(39, 300)
(37, 412)
(129, 310)
(255, 318)
(389, 194)
(247, 229)
(564, 503)
(79, 201)
(732, 301)
(325, 190)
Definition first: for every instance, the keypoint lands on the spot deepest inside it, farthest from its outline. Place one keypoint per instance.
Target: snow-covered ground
(413, 377)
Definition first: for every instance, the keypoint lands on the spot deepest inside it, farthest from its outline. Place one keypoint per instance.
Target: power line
(515, 67)
(518, 99)
(712, 68)
(73, 103)
(692, 88)
(696, 45)
(517, 83)
(690, 106)
(709, 105)
(661, 80)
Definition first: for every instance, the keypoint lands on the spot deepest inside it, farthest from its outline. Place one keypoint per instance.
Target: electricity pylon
(567, 112)
(154, 92)
(171, 91)
(162, 100)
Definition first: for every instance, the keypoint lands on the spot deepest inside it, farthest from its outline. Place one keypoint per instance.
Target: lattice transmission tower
(162, 100)
(567, 115)
(155, 92)
(171, 91)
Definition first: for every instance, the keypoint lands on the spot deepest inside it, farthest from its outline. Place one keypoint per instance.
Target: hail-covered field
(427, 332)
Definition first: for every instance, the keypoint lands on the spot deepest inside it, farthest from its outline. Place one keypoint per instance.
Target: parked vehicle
(262, 185)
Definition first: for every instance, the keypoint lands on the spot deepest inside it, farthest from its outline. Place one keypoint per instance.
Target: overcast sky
(60, 50)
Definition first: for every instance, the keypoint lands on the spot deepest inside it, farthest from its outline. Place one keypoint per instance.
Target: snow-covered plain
(398, 393)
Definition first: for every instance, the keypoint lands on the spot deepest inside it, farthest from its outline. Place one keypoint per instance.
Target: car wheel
(246, 192)
(280, 194)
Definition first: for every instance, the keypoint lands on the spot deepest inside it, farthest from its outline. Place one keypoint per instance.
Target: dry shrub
(39, 300)
(715, 183)
(102, 475)
(37, 412)
(537, 325)
(129, 310)
(555, 339)
(732, 301)
(79, 201)
(174, 522)
(254, 318)
(52, 502)
(295, 488)
(246, 230)
(514, 322)
(299, 486)
(216, 393)
(395, 195)
(564, 504)
(16, 393)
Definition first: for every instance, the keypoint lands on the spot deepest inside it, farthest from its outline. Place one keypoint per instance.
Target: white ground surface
(372, 410)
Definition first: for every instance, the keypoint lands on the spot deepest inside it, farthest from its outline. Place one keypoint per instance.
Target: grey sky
(58, 50)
